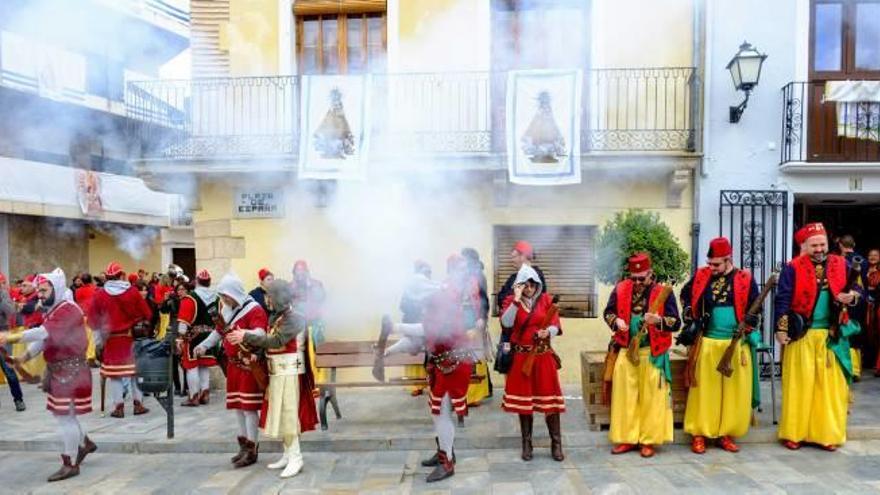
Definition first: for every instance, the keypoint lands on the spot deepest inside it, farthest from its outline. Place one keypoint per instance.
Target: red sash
(803, 299)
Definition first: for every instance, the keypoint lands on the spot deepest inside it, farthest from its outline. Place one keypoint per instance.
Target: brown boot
(444, 468)
(85, 449)
(68, 470)
(555, 429)
(525, 428)
(118, 412)
(204, 397)
(190, 402)
(139, 408)
(250, 455)
(241, 447)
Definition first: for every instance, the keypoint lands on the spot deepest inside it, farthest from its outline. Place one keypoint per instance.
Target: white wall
(745, 155)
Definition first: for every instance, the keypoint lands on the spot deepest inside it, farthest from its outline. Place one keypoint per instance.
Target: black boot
(68, 470)
(85, 449)
(435, 459)
(251, 449)
(525, 428)
(444, 469)
(241, 449)
(555, 429)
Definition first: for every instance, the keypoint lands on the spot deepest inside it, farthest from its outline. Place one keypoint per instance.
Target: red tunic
(540, 392)
(114, 317)
(308, 414)
(70, 382)
(445, 332)
(188, 313)
(242, 390)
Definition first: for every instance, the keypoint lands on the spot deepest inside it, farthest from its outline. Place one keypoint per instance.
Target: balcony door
(844, 45)
(340, 37)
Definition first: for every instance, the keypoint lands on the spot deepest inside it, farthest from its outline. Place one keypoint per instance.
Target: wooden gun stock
(548, 320)
(632, 351)
(725, 366)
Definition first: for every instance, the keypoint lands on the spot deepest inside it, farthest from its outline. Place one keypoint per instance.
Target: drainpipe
(698, 109)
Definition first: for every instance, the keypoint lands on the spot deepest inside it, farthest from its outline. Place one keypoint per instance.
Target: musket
(632, 352)
(725, 366)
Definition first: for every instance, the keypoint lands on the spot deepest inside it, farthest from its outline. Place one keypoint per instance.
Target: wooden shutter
(564, 253)
(207, 17)
(323, 7)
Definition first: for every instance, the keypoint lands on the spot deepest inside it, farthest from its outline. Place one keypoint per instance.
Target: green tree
(633, 231)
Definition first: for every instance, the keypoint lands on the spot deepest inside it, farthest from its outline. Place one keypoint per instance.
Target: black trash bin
(152, 359)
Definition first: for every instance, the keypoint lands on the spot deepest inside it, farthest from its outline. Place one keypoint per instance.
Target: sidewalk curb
(584, 439)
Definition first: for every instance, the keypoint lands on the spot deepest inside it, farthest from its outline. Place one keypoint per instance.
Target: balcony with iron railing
(816, 129)
(646, 110)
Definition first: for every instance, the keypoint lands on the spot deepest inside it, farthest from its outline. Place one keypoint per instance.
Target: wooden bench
(360, 354)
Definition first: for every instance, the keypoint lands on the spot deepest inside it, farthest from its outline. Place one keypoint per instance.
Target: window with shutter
(564, 253)
(340, 37)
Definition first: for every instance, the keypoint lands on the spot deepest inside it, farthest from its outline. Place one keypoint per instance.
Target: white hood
(526, 273)
(231, 286)
(116, 287)
(59, 285)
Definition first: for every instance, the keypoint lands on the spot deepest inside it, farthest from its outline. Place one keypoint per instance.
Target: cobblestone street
(763, 468)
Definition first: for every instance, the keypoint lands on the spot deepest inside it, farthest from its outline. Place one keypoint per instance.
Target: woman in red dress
(533, 381)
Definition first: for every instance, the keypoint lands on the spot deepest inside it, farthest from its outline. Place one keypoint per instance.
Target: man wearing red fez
(259, 292)
(195, 321)
(811, 298)
(715, 300)
(28, 304)
(521, 254)
(641, 413)
(115, 309)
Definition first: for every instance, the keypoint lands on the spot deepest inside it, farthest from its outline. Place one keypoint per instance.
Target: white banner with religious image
(544, 127)
(88, 193)
(858, 108)
(335, 127)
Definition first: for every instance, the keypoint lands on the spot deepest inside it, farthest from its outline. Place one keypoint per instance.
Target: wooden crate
(598, 414)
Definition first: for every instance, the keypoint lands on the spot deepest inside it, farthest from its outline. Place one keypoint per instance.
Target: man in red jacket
(115, 309)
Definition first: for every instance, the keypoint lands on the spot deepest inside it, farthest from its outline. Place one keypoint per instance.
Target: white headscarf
(59, 286)
(526, 273)
(230, 285)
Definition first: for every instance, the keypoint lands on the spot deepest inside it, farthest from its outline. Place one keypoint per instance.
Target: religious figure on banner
(542, 141)
(333, 138)
(88, 192)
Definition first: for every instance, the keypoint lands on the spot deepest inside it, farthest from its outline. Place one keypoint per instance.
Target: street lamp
(745, 69)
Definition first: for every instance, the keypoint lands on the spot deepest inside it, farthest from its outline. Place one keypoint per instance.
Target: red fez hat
(39, 279)
(113, 269)
(30, 278)
(204, 274)
(639, 262)
(719, 247)
(809, 230)
(133, 278)
(524, 248)
(263, 273)
(2, 278)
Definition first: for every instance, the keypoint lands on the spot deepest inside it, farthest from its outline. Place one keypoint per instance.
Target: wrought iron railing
(649, 109)
(817, 130)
